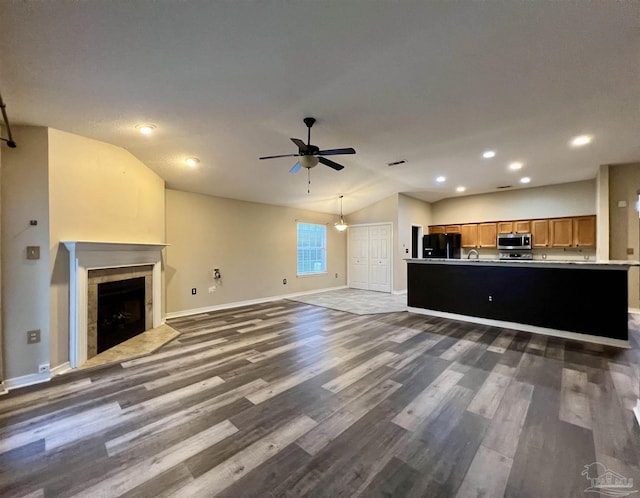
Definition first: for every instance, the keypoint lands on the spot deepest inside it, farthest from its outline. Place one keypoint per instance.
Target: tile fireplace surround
(85, 256)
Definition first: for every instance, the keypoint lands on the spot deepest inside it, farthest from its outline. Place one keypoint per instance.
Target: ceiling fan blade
(295, 168)
(301, 145)
(283, 155)
(330, 163)
(335, 152)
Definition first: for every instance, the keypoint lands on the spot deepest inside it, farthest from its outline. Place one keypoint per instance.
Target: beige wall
(566, 199)
(77, 189)
(624, 222)
(97, 192)
(385, 210)
(410, 212)
(253, 245)
(25, 283)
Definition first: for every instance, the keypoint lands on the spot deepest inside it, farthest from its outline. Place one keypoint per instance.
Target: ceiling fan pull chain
(309, 181)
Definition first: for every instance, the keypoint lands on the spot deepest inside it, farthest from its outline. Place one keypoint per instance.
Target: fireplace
(120, 312)
(93, 264)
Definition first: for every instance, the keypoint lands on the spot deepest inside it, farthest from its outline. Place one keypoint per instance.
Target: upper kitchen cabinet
(452, 229)
(487, 234)
(522, 226)
(505, 226)
(584, 231)
(436, 229)
(469, 237)
(561, 232)
(540, 233)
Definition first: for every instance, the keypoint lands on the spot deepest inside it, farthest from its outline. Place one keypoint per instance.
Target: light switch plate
(622, 204)
(33, 252)
(33, 336)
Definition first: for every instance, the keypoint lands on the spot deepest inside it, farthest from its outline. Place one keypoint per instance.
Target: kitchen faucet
(473, 251)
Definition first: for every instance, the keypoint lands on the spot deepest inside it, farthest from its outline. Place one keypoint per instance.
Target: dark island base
(582, 300)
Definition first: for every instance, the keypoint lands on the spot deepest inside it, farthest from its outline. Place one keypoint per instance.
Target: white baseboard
(636, 410)
(26, 380)
(634, 311)
(3, 388)
(565, 334)
(237, 304)
(60, 369)
(400, 292)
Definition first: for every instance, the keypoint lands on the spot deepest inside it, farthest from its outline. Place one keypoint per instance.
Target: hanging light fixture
(341, 226)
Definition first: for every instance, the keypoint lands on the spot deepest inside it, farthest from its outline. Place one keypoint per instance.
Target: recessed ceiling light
(581, 140)
(461, 189)
(515, 165)
(441, 179)
(525, 179)
(146, 129)
(192, 161)
(488, 154)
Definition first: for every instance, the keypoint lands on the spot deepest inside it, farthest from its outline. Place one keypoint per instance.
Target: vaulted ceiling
(429, 82)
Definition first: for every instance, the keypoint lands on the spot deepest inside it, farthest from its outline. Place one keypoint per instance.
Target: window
(312, 248)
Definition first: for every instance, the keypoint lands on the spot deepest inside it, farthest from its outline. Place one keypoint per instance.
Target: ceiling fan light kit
(310, 155)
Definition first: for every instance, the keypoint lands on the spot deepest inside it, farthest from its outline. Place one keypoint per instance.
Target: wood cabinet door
(561, 232)
(436, 229)
(540, 233)
(505, 226)
(584, 231)
(487, 234)
(522, 226)
(452, 229)
(469, 237)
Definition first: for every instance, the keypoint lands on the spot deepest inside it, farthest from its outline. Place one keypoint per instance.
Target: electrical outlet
(33, 336)
(212, 289)
(336, 275)
(284, 281)
(43, 368)
(193, 291)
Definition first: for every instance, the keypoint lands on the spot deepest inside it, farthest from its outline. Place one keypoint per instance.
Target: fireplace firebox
(121, 311)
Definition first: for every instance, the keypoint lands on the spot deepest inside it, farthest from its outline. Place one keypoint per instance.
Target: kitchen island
(582, 299)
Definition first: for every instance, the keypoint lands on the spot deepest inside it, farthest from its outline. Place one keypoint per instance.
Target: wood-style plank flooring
(289, 399)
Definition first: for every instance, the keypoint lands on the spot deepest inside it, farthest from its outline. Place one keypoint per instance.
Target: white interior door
(359, 257)
(380, 258)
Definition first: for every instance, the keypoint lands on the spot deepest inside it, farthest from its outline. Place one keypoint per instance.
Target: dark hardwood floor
(288, 399)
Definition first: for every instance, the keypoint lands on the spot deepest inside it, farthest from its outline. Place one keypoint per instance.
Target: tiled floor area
(359, 302)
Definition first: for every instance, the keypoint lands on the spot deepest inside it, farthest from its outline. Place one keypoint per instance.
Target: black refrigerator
(441, 245)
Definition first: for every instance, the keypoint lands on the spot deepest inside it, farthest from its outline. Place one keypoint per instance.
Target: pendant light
(341, 226)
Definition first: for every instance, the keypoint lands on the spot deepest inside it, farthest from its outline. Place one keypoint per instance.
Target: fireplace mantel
(93, 255)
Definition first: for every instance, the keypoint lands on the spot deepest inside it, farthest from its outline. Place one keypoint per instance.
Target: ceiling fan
(310, 155)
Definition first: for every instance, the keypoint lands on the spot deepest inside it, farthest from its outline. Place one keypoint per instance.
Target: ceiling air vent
(397, 163)
(504, 186)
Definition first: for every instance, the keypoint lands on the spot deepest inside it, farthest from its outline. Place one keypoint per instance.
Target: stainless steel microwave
(514, 241)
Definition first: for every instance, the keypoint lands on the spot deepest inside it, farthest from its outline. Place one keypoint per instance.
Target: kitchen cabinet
(540, 233)
(522, 226)
(561, 232)
(469, 235)
(452, 229)
(436, 229)
(487, 234)
(584, 231)
(505, 226)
